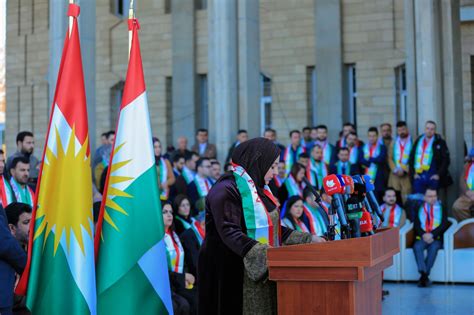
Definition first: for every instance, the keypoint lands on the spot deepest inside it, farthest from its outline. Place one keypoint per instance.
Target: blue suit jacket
(12, 259)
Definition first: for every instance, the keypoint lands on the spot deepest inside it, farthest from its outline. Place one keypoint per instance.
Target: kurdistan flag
(59, 277)
(132, 272)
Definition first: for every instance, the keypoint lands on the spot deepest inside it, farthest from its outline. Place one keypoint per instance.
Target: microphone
(366, 224)
(317, 196)
(334, 187)
(355, 208)
(372, 200)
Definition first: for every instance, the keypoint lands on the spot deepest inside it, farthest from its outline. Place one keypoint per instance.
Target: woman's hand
(317, 239)
(189, 279)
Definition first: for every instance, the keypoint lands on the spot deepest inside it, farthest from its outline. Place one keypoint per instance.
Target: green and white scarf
(163, 177)
(293, 188)
(371, 152)
(23, 195)
(423, 155)
(257, 220)
(203, 185)
(188, 175)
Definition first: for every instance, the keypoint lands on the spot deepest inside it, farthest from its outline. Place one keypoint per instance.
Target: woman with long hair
(165, 172)
(293, 184)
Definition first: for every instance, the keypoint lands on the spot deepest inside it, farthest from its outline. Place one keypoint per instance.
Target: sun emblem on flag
(112, 191)
(65, 193)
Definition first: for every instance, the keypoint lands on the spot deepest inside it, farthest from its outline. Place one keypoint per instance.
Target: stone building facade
(229, 64)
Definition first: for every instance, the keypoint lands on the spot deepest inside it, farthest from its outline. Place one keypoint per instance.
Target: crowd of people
(407, 172)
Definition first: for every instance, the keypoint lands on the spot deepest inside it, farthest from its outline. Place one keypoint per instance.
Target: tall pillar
(223, 73)
(428, 63)
(453, 96)
(410, 66)
(58, 22)
(329, 65)
(184, 75)
(58, 26)
(87, 31)
(249, 67)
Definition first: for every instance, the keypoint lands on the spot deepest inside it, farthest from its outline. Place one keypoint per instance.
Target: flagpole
(70, 19)
(131, 15)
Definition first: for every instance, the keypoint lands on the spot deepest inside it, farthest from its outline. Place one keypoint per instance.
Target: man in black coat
(429, 161)
(242, 136)
(12, 260)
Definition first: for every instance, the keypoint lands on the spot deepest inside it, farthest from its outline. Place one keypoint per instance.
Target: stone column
(58, 23)
(410, 66)
(249, 67)
(453, 97)
(329, 65)
(87, 31)
(223, 73)
(428, 63)
(183, 109)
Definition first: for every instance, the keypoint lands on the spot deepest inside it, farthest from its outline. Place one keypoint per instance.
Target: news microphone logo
(332, 185)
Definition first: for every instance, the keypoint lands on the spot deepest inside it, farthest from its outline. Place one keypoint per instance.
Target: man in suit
(242, 136)
(343, 165)
(12, 260)
(202, 146)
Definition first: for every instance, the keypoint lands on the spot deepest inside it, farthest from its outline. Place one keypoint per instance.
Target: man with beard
(398, 157)
(25, 144)
(17, 189)
(386, 133)
(329, 152)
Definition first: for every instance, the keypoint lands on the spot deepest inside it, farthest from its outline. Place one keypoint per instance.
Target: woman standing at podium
(242, 222)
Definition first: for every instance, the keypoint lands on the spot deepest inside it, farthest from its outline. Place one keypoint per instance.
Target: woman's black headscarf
(256, 156)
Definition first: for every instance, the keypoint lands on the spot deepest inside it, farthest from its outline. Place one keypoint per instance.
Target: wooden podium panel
(339, 277)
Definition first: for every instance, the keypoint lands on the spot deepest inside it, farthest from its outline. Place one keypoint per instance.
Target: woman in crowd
(182, 282)
(233, 272)
(190, 231)
(294, 217)
(165, 171)
(293, 185)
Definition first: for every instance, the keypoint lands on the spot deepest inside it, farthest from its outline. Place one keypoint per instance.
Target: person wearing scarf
(181, 280)
(355, 146)
(17, 189)
(329, 151)
(293, 184)
(394, 215)
(343, 166)
(200, 186)
(347, 128)
(165, 171)
(463, 205)
(293, 151)
(278, 180)
(398, 157)
(429, 161)
(242, 221)
(294, 216)
(430, 224)
(317, 169)
(373, 157)
(318, 216)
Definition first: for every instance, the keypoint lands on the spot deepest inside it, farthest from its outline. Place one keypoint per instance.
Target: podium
(338, 277)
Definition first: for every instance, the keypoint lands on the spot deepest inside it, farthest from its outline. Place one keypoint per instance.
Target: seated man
(463, 207)
(430, 225)
(343, 165)
(394, 215)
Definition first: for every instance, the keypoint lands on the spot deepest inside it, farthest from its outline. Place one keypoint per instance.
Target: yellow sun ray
(113, 191)
(65, 199)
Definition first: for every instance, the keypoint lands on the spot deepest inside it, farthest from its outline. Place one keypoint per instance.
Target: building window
(401, 93)
(202, 117)
(167, 6)
(312, 94)
(116, 94)
(351, 93)
(266, 102)
(200, 4)
(120, 8)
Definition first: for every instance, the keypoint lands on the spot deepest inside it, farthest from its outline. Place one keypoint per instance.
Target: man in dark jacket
(430, 224)
(429, 161)
(242, 136)
(12, 260)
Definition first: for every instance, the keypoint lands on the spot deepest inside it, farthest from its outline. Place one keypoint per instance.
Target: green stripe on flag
(122, 297)
(52, 289)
